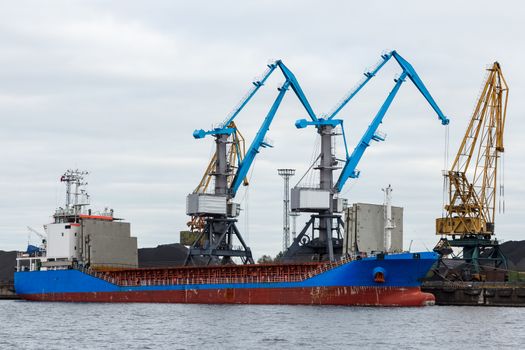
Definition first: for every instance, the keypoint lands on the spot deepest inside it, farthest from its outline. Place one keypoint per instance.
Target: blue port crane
(215, 219)
(325, 245)
(371, 134)
(259, 140)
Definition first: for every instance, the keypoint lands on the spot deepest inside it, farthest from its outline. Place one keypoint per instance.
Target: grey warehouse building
(365, 228)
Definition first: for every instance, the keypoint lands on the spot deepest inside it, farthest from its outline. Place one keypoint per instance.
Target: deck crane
(323, 200)
(43, 241)
(212, 210)
(472, 182)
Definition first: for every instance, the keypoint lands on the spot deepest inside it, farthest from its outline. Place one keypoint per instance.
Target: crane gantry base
(478, 252)
(213, 245)
(309, 246)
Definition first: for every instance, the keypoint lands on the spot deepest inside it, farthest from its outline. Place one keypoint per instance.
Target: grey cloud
(117, 88)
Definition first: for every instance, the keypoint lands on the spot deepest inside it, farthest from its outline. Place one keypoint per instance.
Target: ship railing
(331, 265)
(189, 281)
(138, 280)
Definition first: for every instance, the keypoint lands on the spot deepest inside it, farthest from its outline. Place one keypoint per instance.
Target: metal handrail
(170, 280)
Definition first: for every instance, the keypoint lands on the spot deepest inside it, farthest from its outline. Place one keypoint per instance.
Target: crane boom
(40, 235)
(349, 170)
(224, 127)
(296, 87)
(258, 141)
(256, 86)
(228, 127)
(410, 71)
(414, 77)
(371, 134)
(368, 75)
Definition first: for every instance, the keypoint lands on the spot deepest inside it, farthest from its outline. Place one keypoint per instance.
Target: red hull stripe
(362, 296)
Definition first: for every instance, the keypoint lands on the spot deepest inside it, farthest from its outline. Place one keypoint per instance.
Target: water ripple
(30, 325)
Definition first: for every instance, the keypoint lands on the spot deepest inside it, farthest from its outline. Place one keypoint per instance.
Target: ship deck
(256, 273)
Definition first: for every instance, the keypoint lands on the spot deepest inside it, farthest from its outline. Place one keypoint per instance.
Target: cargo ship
(92, 257)
(389, 280)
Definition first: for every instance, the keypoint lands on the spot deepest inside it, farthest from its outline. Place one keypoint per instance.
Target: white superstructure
(63, 240)
(78, 237)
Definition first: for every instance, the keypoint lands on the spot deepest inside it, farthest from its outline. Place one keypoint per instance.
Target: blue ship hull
(390, 281)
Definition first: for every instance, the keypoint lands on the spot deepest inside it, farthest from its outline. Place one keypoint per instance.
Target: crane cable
(245, 200)
(314, 157)
(502, 185)
(446, 154)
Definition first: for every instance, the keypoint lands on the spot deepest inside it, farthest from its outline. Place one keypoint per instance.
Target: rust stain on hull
(359, 296)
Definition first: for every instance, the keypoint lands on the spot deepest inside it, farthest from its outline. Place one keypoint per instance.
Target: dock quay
(477, 293)
(7, 291)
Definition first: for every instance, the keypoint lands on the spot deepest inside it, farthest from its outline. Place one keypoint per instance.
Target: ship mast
(389, 221)
(76, 197)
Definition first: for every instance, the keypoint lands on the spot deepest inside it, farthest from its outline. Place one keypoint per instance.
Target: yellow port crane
(471, 208)
(472, 202)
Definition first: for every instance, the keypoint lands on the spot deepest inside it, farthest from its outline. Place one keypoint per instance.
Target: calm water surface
(29, 325)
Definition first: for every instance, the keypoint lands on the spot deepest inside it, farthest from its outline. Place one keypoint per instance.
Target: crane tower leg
(324, 246)
(326, 169)
(215, 244)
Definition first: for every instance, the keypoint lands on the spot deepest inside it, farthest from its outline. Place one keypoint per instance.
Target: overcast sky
(117, 88)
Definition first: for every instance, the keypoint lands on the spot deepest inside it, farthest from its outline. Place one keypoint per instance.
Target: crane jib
(349, 169)
(258, 142)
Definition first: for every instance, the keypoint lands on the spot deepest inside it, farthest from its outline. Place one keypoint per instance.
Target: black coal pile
(163, 255)
(514, 251)
(7, 265)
